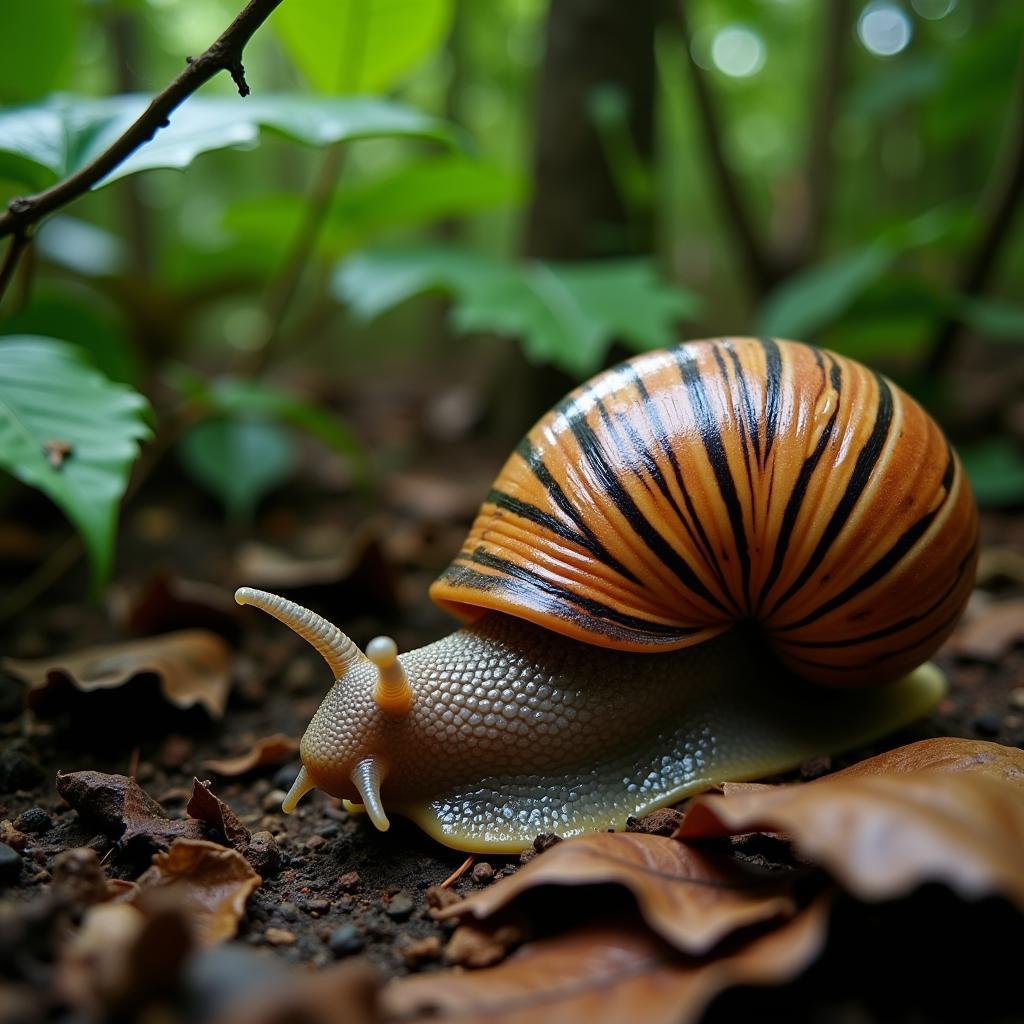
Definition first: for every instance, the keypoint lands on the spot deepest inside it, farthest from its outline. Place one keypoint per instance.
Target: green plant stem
(285, 284)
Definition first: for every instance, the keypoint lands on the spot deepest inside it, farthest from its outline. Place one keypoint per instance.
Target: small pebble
(317, 906)
(262, 853)
(483, 873)
(545, 841)
(315, 843)
(34, 820)
(348, 881)
(438, 898)
(987, 724)
(273, 800)
(345, 940)
(10, 863)
(400, 907)
(279, 937)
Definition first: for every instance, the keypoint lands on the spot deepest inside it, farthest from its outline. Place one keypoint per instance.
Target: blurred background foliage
(503, 195)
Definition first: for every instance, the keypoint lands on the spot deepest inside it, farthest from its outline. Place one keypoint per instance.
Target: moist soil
(343, 889)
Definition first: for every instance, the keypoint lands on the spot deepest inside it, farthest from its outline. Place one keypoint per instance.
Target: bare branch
(761, 267)
(1003, 196)
(224, 55)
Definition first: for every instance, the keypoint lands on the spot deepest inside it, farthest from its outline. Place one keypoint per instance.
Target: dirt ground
(342, 888)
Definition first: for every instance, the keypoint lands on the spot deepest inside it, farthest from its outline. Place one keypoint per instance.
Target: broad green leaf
(415, 193)
(351, 46)
(996, 471)
(52, 402)
(811, 299)
(45, 142)
(994, 318)
(566, 314)
(238, 460)
(36, 42)
(241, 399)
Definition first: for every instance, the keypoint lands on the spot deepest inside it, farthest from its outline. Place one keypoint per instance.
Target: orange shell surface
(720, 481)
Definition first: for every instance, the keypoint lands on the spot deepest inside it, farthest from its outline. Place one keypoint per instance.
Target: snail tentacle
(393, 692)
(331, 644)
(300, 787)
(367, 777)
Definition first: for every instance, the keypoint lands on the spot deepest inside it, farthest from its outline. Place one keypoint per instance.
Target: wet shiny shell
(740, 479)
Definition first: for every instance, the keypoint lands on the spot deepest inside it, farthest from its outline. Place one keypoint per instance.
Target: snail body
(666, 565)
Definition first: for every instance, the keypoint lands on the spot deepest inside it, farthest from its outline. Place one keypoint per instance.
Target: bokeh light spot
(884, 28)
(737, 51)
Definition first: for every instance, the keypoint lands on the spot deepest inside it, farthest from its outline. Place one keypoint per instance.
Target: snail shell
(741, 479)
(611, 584)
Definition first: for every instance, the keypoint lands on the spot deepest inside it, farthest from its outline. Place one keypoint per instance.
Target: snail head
(345, 747)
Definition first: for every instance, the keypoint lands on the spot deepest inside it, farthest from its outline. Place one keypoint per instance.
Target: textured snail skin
(515, 730)
(663, 569)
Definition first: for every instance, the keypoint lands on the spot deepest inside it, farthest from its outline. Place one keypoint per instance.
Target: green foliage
(33, 60)
(565, 314)
(415, 193)
(996, 471)
(242, 415)
(68, 431)
(1003, 321)
(44, 142)
(238, 460)
(360, 46)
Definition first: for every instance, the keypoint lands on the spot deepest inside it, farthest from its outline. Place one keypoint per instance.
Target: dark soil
(343, 888)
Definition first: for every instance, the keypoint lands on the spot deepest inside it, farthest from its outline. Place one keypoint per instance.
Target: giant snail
(704, 564)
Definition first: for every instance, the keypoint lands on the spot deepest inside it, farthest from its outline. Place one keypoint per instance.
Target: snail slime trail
(705, 564)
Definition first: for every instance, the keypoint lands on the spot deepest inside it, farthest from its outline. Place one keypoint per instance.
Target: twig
(1003, 193)
(835, 48)
(459, 871)
(760, 266)
(224, 55)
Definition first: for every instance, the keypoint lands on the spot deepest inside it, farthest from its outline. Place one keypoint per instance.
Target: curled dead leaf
(691, 898)
(270, 750)
(946, 811)
(190, 667)
(208, 808)
(213, 884)
(608, 973)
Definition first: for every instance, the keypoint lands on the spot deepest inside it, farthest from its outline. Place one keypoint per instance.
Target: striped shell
(690, 489)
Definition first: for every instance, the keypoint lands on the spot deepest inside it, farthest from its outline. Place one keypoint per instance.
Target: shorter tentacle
(393, 692)
(334, 647)
(300, 787)
(367, 777)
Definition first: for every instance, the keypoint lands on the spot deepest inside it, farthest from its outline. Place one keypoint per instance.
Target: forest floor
(334, 887)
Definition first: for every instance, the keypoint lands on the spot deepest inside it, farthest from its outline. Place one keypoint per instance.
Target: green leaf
(993, 318)
(46, 142)
(238, 460)
(51, 400)
(996, 471)
(37, 38)
(347, 46)
(416, 193)
(566, 314)
(811, 299)
(241, 399)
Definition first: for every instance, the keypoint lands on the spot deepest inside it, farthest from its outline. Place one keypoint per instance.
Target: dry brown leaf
(192, 668)
(167, 602)
(212, 882)
(992, 634)
(210, 809)
(884, 833)
(692, 898)
(608, 973)
(948, 754)
(124, 811)
(270, 750)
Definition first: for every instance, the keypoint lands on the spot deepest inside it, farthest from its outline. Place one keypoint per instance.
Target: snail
(705, 564)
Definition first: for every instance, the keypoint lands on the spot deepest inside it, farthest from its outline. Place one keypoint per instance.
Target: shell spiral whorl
(739, 479)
